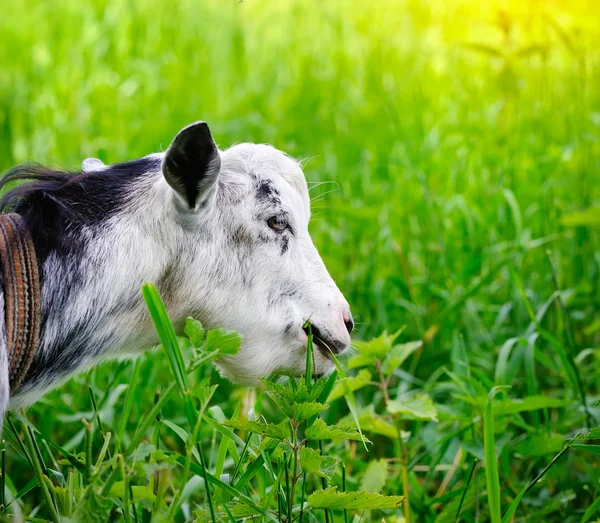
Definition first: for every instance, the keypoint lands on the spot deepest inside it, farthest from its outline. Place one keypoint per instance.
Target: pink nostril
(349, 323)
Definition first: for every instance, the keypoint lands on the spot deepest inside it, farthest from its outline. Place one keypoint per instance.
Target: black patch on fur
(267, 192)
(285, 244)
(57, 208)
(56, 205)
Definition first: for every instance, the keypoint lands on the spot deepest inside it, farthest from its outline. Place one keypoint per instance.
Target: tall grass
(451, 145)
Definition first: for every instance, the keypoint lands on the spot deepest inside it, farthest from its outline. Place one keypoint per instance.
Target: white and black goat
(222, 234)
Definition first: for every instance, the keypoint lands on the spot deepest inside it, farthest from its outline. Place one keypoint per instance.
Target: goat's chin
(248, 371)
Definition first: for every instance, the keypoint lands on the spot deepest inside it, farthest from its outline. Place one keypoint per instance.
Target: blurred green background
(458, 142)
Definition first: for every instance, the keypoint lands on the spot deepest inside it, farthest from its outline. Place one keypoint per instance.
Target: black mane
(56, 204)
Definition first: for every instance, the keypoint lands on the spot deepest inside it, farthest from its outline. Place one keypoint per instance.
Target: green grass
(460, 149)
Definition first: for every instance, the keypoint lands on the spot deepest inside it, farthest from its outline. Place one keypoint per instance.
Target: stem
(294, 424)
(88, 451)
(303, 496)
(404, 469)
(126, 508)
(205, 475)
(403, 453)
(344, 490)
(40, 475)
(324, 483)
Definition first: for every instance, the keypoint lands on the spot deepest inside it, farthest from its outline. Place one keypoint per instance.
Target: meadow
(454, 148)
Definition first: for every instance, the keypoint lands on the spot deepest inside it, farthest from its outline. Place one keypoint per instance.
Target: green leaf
(350, 384)
(139, 492)
(375, 476)
(297, 391)
(593, 449)
(376, 349)
(540, 444)
(514, 406)
(195, 332)
(311, 461)
(507, 517)
(376, 424)
(296, 401)
(491, 462)
(332, 499)
(319, 430)
(142, 451)
(183, 434)
(418, 407)
(592, 434)
(228, 342)
(271, 430)
(167, 335)
(303, 411)
(204, 392)
(398, 354)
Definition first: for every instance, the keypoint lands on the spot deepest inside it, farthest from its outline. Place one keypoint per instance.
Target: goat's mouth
(318, 342)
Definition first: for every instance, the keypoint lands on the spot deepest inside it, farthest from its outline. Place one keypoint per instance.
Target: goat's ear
(191, 165)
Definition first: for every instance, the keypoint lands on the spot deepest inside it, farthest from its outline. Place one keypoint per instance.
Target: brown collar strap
(22, 303)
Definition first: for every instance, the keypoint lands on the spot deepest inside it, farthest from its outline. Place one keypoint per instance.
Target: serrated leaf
(297, 391)
(398, 354)
(303, 411)
(418, 407)
(228, 342)
(332, 499)
(350, 384)
(195, 332)
(375, 349)
(292, 402)
(271, 430)
(320, 430)
(311, 461)
(375, 476)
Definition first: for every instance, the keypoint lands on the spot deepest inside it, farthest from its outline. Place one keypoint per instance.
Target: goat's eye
(277, 223)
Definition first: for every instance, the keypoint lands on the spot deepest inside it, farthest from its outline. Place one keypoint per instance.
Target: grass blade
(491, 463)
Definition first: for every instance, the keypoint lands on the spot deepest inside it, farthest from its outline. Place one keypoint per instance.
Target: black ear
(192, 163)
